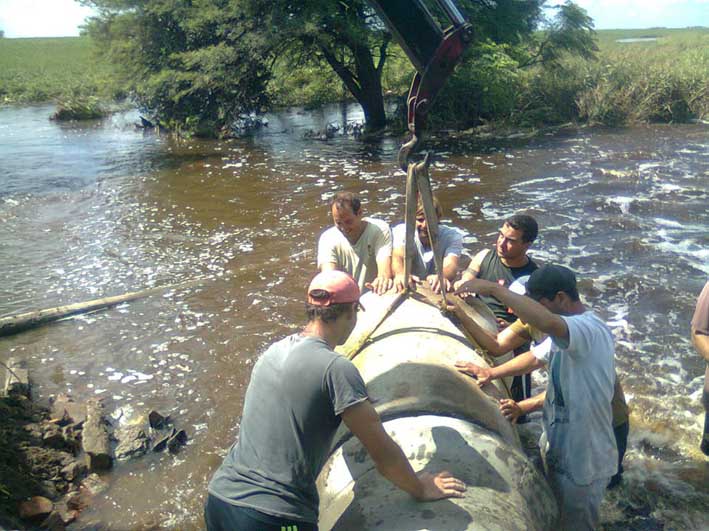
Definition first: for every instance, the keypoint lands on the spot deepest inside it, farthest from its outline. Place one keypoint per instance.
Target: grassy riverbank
(44, 69)
(655, 75)
(663, 78)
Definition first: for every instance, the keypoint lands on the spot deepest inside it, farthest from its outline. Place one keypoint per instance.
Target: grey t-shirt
(298, 389)
(450, 242)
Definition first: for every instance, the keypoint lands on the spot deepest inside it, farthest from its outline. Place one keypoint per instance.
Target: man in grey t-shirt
(449, 243)
(299, 391)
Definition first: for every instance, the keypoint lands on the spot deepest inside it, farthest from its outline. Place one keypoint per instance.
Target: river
(91, 210)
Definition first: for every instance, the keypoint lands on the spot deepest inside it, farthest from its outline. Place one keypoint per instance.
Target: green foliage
(195, 65)
(569, 32)
(342, 36)
(41, 69)
(309, 85)
(491, 82)
(658, 81)
(483, 88)
(78, 109)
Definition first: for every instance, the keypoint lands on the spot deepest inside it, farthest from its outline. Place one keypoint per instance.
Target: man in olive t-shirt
(358, 245)
(299, 391)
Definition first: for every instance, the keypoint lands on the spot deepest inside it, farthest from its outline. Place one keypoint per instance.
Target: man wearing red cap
(300, 390)
(700, 340)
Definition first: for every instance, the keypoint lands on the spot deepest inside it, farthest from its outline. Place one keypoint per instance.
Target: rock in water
(95, 437)
(177, 441)
(134, 442)
(36, 508)
(158, 421)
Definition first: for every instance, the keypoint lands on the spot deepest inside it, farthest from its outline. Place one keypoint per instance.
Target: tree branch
(342, 71)
(383, 53)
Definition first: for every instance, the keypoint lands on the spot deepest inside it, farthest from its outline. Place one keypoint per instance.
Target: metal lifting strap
(418, 184)
(434, 52)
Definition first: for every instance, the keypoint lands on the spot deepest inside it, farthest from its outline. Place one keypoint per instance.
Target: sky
(62, 18)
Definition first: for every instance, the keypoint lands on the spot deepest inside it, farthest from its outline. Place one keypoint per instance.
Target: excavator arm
(432, 50)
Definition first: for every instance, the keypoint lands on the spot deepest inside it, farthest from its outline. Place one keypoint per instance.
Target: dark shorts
(222, 516)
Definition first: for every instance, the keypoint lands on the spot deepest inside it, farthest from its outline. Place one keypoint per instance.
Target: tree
(2, 34)
(489, 84)
(571, 31)
(344, 35)
(195, 65)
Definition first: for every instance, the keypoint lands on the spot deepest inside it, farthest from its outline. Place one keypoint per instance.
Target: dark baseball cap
(549, 280)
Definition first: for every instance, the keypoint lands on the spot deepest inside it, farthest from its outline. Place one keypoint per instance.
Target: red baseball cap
(333, 287)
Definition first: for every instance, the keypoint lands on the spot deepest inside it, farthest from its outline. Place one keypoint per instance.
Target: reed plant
(661, 80)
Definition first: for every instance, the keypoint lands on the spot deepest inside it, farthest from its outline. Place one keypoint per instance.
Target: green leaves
(194, 65)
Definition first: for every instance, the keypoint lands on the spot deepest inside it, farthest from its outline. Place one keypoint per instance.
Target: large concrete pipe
(442, 420)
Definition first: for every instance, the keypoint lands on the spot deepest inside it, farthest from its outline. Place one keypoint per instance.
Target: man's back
(291, 412)
(577, 410)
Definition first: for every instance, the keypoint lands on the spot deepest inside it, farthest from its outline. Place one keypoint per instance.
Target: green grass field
(43, 69)
(666, 79)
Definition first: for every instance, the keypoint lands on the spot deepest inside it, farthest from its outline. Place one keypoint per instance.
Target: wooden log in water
(25, 321)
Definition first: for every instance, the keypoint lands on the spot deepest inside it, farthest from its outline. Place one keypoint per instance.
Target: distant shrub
(666, 80)
(78, 109)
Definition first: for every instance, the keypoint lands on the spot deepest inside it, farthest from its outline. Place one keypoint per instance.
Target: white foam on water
(686, 249)
(623, 202)
(668, 223)
(463, 212)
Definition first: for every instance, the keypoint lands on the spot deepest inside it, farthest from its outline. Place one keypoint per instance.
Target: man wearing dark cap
(700, 340)
(579, 443)
(300, 390)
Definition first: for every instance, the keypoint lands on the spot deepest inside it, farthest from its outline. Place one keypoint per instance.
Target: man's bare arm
(530, 311)
(473, 269)
(384, 280)
(364, 422)
(498, 345)
(397, 261)
(701, 344)
(517, 366)
(450, 266)
(513, 410)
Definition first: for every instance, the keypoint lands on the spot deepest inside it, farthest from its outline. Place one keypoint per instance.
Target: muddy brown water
(100, 209)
